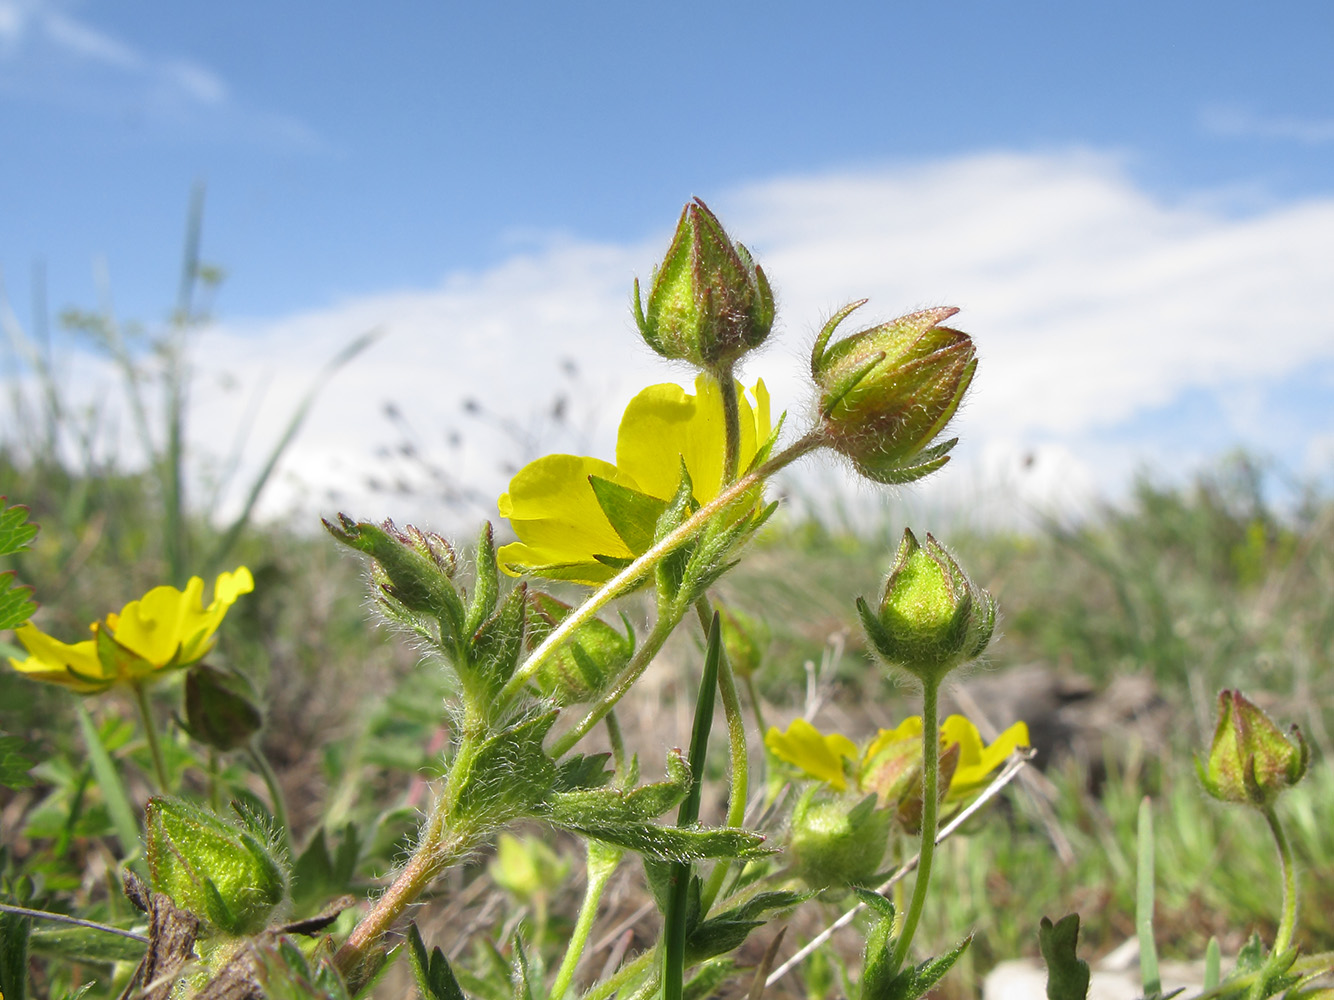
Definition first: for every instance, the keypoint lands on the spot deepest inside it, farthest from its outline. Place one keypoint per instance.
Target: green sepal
(495, 648)
(435, 978)
(486, 582)
(417, 581)
(915, 982)
(877, 975)
(220, 709)
(16, 531)
(633, 515)
(671, 570)
(580, 772)
(510, 774)
(1067, 973)
(763, 452)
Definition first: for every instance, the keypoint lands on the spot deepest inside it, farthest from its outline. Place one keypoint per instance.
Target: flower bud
(745, 640)
(887, 392)
(217, 870)
(219, 711)
(710, 302)
(833, 844)
(931, 616)
(581, 668)
(1251, 760)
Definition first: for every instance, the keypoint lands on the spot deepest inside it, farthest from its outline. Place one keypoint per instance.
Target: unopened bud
(745, 640)
(584, 665)
(217, 870)
(1251, 760)
(834, 843)
(887, 392)
(219, 710)
(709, 302)
(931, 616)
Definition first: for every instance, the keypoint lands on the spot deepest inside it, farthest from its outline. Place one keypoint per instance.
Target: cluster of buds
(931, 617)
(709, 302)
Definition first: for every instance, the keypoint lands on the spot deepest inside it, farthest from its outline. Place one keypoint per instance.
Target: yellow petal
(74, 666)
(976, 762)
(818, 755)
(909, 729)
(555, 513)
(172, 627)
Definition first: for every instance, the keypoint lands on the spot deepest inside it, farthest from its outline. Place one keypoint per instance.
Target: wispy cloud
(1244, 123)
(48, 54)
(1099, 310)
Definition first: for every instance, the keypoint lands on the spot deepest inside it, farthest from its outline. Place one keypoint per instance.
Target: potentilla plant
(533, 673)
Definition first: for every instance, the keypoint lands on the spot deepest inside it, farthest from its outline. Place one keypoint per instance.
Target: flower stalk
(930, 811)
(150, 735)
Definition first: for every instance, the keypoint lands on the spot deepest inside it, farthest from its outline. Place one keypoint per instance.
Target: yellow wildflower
(896, 753)
(818, 755)
(164, 630)
(582, 519)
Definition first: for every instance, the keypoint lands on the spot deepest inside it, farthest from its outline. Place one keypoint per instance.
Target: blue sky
(358, 157)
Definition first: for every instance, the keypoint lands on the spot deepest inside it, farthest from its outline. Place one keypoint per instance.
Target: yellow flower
(818, 755)
(583, 519)
(896, 753)
(164, 630)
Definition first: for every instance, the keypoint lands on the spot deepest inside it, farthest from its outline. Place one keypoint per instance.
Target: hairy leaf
(1067, 974)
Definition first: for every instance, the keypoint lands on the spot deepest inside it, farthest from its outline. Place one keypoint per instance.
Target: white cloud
(1244, 123)
(1091, 301)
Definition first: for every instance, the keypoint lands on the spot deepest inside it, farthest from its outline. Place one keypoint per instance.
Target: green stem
(214, 799)
(731, 424)
(602, 862)
(629, 577)
(150, 733)
(754, 695)
(930, 808)
(740, 757)
(617, 741)
(275, 794)
(632, 671)
(1289, 920)
(623, 975)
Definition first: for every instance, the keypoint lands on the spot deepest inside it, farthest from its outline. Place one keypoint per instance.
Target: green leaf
(633, 515)
(583, 771)
(913, 983)
(16, 603)
(615, 806)
(435, 979)
(728, 930)
(1251, 958)
(16, 531)
(510, 774)
(676, 843)
(319, 876)
(83, 944)
(14, 931)
(14, 765)
(486, 582)
(1067, 974)
(495, 648)
(706, 980)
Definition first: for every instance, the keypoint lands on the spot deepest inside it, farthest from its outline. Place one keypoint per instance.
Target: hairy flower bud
(745, 639)
(834, 843)
(710, 302)
(931, 616)
(583, 667)
(217, 870)
(887, 392)
(1251, 760)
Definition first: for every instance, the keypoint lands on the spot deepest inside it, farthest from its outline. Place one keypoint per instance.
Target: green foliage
(1067, 973)
(435, 979)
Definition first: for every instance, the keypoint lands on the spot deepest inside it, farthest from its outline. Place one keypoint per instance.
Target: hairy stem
(627, 578)
(602, 862)
(731, 424)
(930, 809)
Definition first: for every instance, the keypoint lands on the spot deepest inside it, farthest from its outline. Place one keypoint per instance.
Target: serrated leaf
(728, 930)
(581, 772)
(16, 603)
(676, 843)
(1067, 974)
(14, 764)
(16, 531)
(616, 807)
(510, 774)
(435, 978)
(914, 983)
